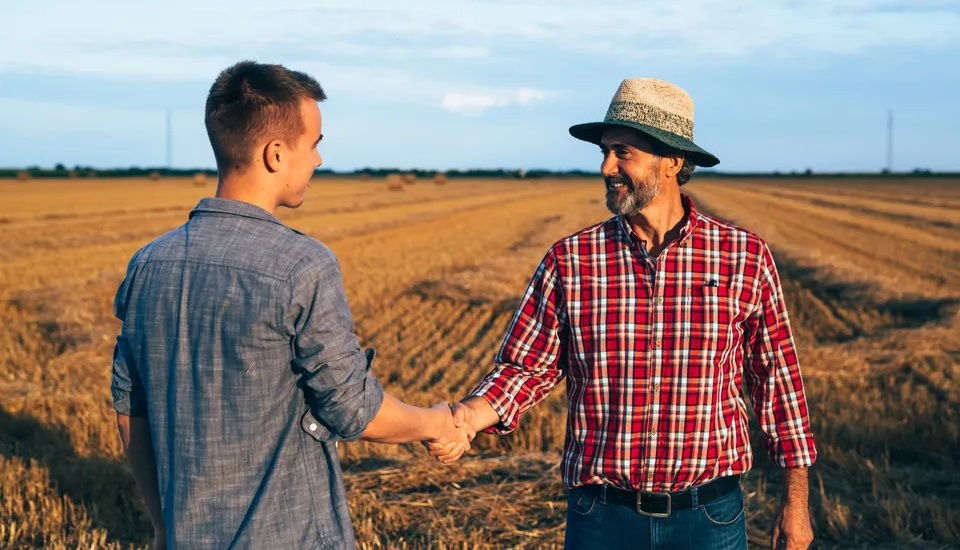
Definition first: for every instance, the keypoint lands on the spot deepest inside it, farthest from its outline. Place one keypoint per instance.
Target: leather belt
(661, 505)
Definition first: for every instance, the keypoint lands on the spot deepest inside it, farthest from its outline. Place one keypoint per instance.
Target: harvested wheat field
(871, 269)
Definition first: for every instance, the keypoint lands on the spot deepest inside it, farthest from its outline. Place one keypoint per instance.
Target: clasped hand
(454, 433)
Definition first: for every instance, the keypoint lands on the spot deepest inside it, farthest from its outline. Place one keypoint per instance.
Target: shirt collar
(693, 220)
(216, 205)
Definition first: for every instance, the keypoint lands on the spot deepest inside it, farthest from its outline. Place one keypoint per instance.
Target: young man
(655, 317)
(237, 370)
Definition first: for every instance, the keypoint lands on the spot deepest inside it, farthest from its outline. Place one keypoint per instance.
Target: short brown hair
(250, 101)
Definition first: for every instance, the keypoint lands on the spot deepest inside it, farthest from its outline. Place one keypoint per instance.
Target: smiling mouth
(616, 185)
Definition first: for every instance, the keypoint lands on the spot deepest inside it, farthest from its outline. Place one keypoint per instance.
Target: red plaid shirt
(655, 351)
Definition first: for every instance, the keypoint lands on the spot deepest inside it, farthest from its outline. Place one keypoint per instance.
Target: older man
(655, 317)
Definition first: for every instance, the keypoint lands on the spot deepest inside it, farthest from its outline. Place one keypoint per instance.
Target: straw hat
(659, 109)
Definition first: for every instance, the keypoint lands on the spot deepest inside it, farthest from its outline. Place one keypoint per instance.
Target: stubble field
(871, 270)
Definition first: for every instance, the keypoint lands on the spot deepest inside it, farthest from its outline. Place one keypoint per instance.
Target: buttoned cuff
(129, 403)
(370, 406)
(793, 452)
(502, 403)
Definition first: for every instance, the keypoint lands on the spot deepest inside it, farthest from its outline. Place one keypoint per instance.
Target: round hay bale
(154, 176)
(199, 179)
(72, 174)
(440, 178)
(409, 179)
(91, 173)
(23, 175)
(395, 182)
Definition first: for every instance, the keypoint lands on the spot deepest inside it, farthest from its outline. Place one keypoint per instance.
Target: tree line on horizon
(78, 171)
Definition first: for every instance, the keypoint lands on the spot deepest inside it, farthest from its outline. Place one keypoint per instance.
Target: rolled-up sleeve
(773, 377)
(129, 398)
(530, 361)
(341, 392)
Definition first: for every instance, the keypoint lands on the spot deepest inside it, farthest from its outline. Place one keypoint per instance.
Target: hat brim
(592, 132)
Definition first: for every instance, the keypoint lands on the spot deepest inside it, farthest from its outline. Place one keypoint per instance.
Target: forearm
(480, 414)
(135, 435)
(398, 422)
(795, 486)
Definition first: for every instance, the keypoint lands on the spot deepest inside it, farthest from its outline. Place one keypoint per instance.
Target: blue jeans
(593, 523)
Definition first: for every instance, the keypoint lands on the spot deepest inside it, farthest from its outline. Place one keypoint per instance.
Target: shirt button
(658, 342)
(659, 299)
(653, 432)
(313, 427)
(656, 387)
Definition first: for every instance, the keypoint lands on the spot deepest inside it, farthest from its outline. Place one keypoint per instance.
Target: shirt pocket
(714, 312)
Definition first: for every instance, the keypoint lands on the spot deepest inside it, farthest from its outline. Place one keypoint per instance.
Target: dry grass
(870, 270)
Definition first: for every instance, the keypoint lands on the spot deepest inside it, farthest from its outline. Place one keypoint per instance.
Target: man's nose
(609, 165)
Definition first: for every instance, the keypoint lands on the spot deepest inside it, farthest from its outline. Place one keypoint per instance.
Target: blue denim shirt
(239, 348)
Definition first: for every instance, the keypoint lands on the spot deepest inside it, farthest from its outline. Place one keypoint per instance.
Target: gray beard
(637, 197)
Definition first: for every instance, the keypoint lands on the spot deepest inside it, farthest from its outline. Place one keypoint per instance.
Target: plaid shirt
(655, 351)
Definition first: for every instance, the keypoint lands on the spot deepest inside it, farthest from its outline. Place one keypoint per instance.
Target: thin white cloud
(118, 37)
(478, 102)
(390, 51)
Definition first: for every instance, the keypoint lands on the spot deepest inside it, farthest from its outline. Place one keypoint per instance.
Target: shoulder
(588, 237)
(312, 249)
(310, 258)
(730, 235)
(158, 247)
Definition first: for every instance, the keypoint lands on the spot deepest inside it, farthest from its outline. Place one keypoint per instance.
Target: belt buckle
(640, 509)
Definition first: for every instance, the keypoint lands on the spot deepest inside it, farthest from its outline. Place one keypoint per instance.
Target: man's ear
(273, 155)
(671, 166)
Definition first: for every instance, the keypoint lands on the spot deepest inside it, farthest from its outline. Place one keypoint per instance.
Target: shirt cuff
(372, 401)
(793, 452)
(128, 403)
(121, 401)
(503, 403)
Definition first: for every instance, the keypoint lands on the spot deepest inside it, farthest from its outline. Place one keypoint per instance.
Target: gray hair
(661, 150)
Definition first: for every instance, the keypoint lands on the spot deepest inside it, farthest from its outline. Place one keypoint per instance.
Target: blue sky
(777, 85)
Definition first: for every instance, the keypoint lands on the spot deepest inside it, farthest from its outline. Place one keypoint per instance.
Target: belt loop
(603, 494)
(695, 497)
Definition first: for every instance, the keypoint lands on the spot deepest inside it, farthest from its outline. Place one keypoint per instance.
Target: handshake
(455, 427)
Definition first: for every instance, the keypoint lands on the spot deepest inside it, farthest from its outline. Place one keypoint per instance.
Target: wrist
(480, 414)
(468, 415)
(795, 485)
(794, 500)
